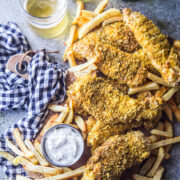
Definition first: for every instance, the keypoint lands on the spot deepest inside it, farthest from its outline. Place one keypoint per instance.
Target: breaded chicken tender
(99, 97)
(117, 54)
(99, 132)
(162, 56)
(116, 34)
(117, 154)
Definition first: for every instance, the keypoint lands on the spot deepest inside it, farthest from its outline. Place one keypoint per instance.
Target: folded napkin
(46, 83)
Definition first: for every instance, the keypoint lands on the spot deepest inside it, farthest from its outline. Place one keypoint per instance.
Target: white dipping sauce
(63, 145)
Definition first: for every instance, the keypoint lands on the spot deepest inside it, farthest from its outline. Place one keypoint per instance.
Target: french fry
(41, 160)
(57, 108)
(156, 165)
(168, 112)
(88, 14)
(82, 66)
(111, 20)
(21, 160)
(165, 142)
(37, 146)
(7, 156)
(19, 140)
(159, 173)
(139, 177)
(66, 169)
(101, 6)
(154, 138)
(72, 36)
(80, 7)
(43, 169)
(170, 93)
(146, 87)
(37, 168)
(177, 44)
(66, 175)
(97, 20)
(157, 79)
(71, 59)
(169, 129)
(161, 91)
(62, 117)
(74, 125)
(80, 122)
(88, 70)
(51, 122)
(70, 115)
(174, 108)
(14, 148)
(160, 133)
(147, 166)
(81, 21)
(33, 160)
(19, 177)
(71, 39)
(167, 155)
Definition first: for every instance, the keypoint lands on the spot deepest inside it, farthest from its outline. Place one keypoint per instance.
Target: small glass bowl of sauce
(62, 145)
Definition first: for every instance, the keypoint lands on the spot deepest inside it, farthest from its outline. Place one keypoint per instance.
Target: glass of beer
(47, 17)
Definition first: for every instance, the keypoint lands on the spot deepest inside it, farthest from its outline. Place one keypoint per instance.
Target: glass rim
(41, 18)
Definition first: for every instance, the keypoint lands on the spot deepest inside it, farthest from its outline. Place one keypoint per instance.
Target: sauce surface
(63, 145)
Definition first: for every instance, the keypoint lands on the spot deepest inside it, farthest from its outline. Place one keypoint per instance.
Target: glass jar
(48, 18)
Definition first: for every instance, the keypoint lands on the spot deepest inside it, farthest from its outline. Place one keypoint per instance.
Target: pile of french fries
(162, 136)
(29, 154)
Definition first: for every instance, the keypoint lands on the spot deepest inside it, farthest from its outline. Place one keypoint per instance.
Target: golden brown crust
(154, 44)
(117, 53)
(117, 154)
(116, 34)
(99, 97)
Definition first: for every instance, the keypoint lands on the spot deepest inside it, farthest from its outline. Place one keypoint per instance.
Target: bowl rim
(43, 145)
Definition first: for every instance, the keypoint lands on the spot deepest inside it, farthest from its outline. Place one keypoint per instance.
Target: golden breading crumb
(118, 54)
(116, 34)
(99, 97)
(154, 44)
(117, 154)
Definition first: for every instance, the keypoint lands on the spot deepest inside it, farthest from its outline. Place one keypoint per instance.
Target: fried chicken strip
(117, 154)
(116, 34)
(99, 97)
(99, 132)
(117, 54)
(155, 45)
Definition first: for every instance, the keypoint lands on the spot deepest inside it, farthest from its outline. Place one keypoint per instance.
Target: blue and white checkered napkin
(46, 83)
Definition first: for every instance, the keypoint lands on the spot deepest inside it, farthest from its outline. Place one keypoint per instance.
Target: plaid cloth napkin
(46, 83)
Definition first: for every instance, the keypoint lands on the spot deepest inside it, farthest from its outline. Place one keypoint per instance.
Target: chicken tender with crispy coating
(116, 34)
(117, 54)
(99, 97)
(99, 132)
(117, 154)
(155, 45)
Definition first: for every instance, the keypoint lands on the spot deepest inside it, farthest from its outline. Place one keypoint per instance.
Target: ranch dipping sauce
(62, 145)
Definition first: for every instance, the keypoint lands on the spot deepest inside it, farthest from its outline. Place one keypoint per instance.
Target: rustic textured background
(165, 13)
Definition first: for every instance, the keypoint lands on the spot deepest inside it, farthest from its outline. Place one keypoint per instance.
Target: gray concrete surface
(165, 13)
